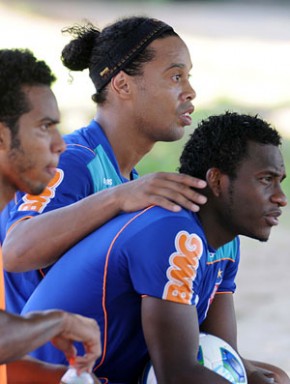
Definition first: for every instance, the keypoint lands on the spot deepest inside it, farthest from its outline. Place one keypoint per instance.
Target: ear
(5, 137)
(121, 84)
(215, 179)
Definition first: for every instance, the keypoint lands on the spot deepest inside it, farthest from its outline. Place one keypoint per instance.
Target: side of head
(30, 143)
(19, 68)
(239, 157)
(123, 45)
(221, 141)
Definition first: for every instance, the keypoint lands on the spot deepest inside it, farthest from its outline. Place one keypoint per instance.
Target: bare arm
(221, 319)
(20, 335)
(37, 243)
(172, 335)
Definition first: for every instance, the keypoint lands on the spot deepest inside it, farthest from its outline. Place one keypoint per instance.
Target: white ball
(215, 354)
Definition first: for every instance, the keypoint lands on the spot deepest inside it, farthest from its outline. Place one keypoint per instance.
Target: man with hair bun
(140, 69)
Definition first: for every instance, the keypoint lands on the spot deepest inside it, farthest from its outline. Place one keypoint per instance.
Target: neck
(215, 229)
(129, 146)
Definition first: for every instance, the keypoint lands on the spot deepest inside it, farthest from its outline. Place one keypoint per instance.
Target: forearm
(39, 242)
(31, 371)
(46, 237)
(20, 335)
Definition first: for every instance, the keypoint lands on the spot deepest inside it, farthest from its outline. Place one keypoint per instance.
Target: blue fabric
(88, 165)
(106, 274)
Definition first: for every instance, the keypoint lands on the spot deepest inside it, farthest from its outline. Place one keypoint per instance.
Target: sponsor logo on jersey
(38, 203)
(107, 181)
(183, 268)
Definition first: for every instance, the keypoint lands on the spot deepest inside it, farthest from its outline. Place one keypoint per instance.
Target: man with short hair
(30, 146)
(154, 279)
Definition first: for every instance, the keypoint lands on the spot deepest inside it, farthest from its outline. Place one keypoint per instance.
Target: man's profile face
(163, 96)
(34, 152)
(255, 197)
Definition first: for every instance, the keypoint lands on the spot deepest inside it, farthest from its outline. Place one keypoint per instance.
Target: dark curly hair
(90, 47)
(221, 141)
(19, 67)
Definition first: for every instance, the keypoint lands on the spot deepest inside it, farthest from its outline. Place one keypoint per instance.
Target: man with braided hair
(153, 279)
(140, 69)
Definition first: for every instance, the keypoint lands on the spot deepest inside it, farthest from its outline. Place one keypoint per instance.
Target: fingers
(181, 178)
(167, 190)
(84, 330)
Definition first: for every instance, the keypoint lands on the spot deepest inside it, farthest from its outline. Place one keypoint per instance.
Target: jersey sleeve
(231, 253)
(71, 183)
(165, 259)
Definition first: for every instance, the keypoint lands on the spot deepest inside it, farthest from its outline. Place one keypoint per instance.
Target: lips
(272, 217)
(185, 116)
(51, 169)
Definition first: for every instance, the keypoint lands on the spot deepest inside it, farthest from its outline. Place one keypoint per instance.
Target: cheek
(249, 207)
(25, 160)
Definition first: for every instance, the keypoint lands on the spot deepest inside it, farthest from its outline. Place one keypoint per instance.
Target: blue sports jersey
(88, 165)
(106, 274)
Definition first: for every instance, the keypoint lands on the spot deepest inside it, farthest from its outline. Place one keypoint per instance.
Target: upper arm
(221, 319)
(171, 332)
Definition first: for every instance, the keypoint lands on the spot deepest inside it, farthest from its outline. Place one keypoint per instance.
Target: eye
(266, 179)
(176, 77)
(45, 126)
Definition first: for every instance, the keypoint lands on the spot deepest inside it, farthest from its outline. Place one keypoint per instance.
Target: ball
(216, 355)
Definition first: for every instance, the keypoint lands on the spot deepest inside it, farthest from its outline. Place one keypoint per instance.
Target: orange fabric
(3, 374)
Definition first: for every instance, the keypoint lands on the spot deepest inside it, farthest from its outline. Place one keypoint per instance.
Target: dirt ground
(262, 297)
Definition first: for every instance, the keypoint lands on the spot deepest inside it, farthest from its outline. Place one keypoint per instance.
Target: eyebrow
(278, 174)
(53, 121)
(175, 65)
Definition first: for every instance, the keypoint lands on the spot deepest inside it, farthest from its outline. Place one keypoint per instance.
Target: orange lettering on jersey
(183, 265)
(38, 203)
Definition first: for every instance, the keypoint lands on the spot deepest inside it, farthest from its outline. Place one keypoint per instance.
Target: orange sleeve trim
(81, 146)
(224, 293)
(223, 258)
(18, 221)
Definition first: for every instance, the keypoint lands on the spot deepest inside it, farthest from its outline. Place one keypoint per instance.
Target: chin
(262, 237)
(35, 189)
(176, 135)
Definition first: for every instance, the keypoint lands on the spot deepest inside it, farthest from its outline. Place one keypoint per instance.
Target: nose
(58, 144)
(188, 92)
(279, 198)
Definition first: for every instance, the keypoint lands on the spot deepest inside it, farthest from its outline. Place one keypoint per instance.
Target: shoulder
(230, 250)
(155, 225)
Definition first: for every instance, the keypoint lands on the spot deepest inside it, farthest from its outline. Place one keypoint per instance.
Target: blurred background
(241, 62)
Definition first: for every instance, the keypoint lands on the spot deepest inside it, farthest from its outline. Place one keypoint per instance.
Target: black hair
(221, 141)
(18, 68)
(90, 47)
